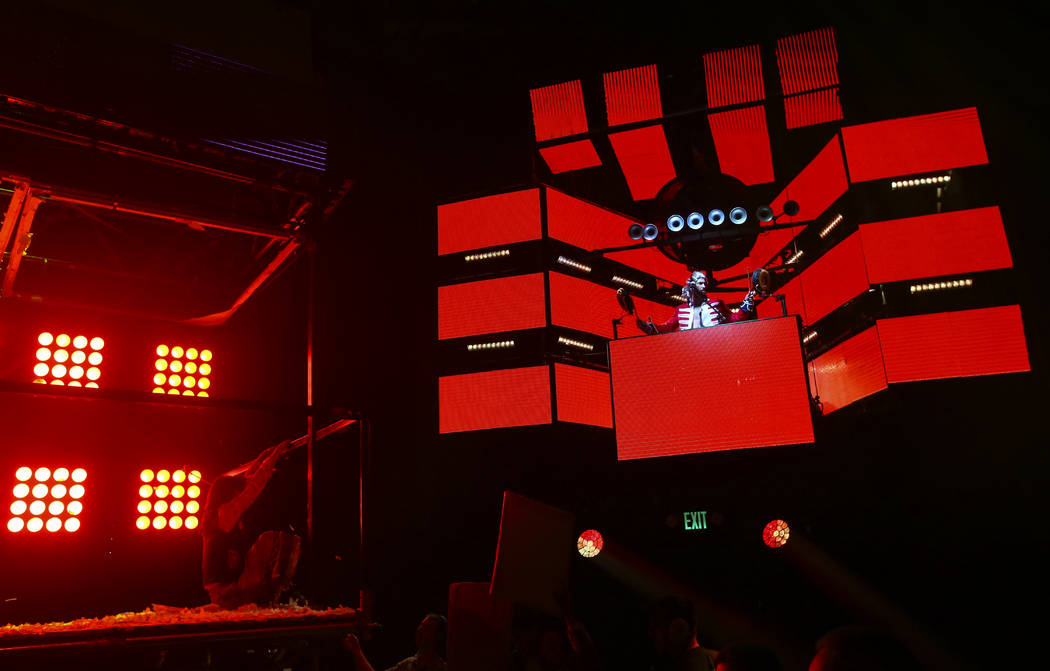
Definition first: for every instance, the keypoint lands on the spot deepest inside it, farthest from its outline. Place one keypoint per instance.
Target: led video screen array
(723, 388)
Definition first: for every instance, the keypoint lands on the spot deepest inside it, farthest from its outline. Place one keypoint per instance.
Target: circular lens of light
(37, 508)
(177, 507)
(177, 352)
(163, 475)
(160, 378)
(15, 524)
(776, 533)
(145, 491)
(194, 491)
(95, 358)
(54, 524)
(162, 350)
(43, 354)
(97, 343)
(42, 474)
(162, 364)
(187, 393)
(202, 394)
(72, 524)
(76, 491)
(176, 367)
(55, 507)
(174, 380)
(695, 221)
(146, 475)
(589, 544)
(173, 391)
(160, 507)
(738, 215)
(161, 491)
(75, 383)
(35, 524)
(191, 522)
(79, 475)
(188, 381)
(78, 357)
(23, 473)
(191, 367)
(76, 372)
(40, 491)
(41, 369)
(92, 385)
(203, 383)
(143, 507)
(45, 338)
(159, 522)
(675, 222)
(74, 507)
(158, 390)
(192, 507)
(194, 476)
(178, 476)
(191, 353)
(175, 523)
(142, 522)
(205, 369)
(716, 217)
(62, 340)
(80, 342)
(58, 370)
(205, 355)
(61, 474)
(59, 383)
(19, 507)
(21, 491)
(178, 491)
(93, 373)
(58, 491)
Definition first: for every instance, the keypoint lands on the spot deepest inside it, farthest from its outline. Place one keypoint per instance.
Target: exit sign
(695, 520)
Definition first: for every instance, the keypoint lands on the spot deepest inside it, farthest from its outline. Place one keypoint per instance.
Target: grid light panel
(168, 499)
(65, 360)
(733, 76)
(182, 371)
(47, 499)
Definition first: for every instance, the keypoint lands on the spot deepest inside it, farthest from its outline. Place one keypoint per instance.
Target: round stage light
(173, 391)
(174, 380)
(76, 372)
(193, 507)
(92, 385)
(40, 491)
(54, 524)
(205, 369)
(75, 507)
(78, 357)
(62, 340)
(55, 508)
(202, 394)
(37, 508)
(42, 474)
(175, 523)
(15, 524)
(176, 367)
(716, 217)
(675, 223)
(203, 383)
(79, 475)
(205, 355)
(60, 383)
(41, 369)
(695, 221)
(21, 491)
(72, 524)
(193, 491)
(776, 533)
(161, 491)
(177, 352)
(43, 354)
(634, 231)
(650, 233)
(187, 393)
(80, 342)
(738, 215)
(58, 491)
(162, 364)
(35, 524)
(142, 522)
(76, 491)
(191, 522)
(162, 350)
(75, 383)
(97, 343)
(45, 338)
(178, 491)
(159, 522)
(93, 373)
(590, 543)
(19, 507)
(160, 378)
(146, 475)
(188, 381)
(194, 476)
(190, 368)
(177, 507)
(58, 370)
(95, 358)
(60, 474)
(192, 353)
(160, 507)
(178, 476)
(145, 491)
(158, 390)
(163, 475)
(23, 473)
(143, 507)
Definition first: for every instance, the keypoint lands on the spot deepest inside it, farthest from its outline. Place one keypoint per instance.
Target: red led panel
(570, 156)
(582, 305)
(949, 243)
(766, 246)
(914, 144)
(583, 395)
(168, 499)
(794, 302)
(502, 219)
(742, 144)
(809, 109)
(733, 76)
(490, 306)
(644, 309)
(632, 95)
(494, 399)
(849, 371)
(558, 110)
(808, 61)
(644, 159)
(748, 376)
(583, 224)
(650, 260)
(986, 341)
(816, 187)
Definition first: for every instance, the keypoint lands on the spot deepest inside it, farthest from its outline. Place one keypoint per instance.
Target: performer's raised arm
(258, 474)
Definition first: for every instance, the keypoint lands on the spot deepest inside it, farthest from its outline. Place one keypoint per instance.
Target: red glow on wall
(491, 306)
(644, 159)
(742, 144)
(733, 76)
(584, 224)
(632, 95)
(914, 144)
(558, 110)
(849, 371)
(494, 399)
(650, 260)
(747, 381)
(583, 395)
(816, 187)
(807, 61)
(502, 219)
(986, 341)
(933, 245)
(810, 109)
(570, 156)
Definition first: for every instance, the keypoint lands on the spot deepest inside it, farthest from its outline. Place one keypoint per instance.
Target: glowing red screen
(583, 395)
(721, 388)
(493, 220)
(914, 145)
(570, 156)
(949, 243)
(816, 187)
(807, 61)
(650, 260)
(489, 306)
(768, 244)
(809, 109)
(632, 95)
(586, 306)
(494, 399)
(558, 110)
(644, 159)
(848, 371)
(584, 225)
(733, 76)
(985, 341)
(742, 144)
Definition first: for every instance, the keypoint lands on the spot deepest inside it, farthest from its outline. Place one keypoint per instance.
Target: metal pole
(310, 421)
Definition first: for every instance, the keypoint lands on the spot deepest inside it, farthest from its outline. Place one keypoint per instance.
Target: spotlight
(650, 232)
(590, 543)
(48, 496)
(696, 221)
(634, 231)
(675, 223)
(791, 208)
(716, 217)
(776, 534)
(738, 215)
(764, 213)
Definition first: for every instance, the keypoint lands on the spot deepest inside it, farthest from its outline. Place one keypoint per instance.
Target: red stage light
(54, 374)
(154, 504)
(174, 382)
(47, 493)
(191, 522)
(815, 188)
(733, 76)
(590, 543)
(742, 144)
(776, 533)
(557, 110)
(808, 61)
(810, 109)
(632, 95)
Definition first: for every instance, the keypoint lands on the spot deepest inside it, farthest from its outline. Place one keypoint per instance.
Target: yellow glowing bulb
(176, 352)
(195, 476)
(45, 338)
(95, 358)
(194, 491)
(74, 507)
(76, 372)
(35, 524)
(55, 507)
(42, 474)
(79, 475)
(143, 507)
(176, 366)
(205, 369)
(163, 475)
(62, 340)
(204, 383)
(21, 491)
(173, 391)
(58, 370)
(43, 354)
(142, 522)
(191, 522)
(80, 342)
(54, 524)
(160, 378)
(191, 367)
(162, 364)
(146, 475)
(78, 357)
(76, 491)
(61, 474)
(162, 350)
(161, 491)
(175, 522)
(18, 507)
(41, 369)
(188, 381)
(174, 380)
(40, 491)
(15, 524)
(37, 508)
(97, 343)
(178, 476)
(178, 491)
(158, 390)
(93, 373)
(192, 507)
(72, 524)
(23, 473)
(145, 491)
(61, 356)
(158, 522)
(160, 507)
(177, 507)
(58, 491)
(205, 355)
